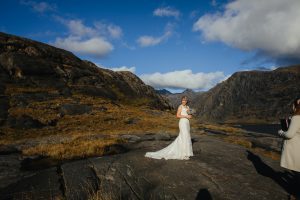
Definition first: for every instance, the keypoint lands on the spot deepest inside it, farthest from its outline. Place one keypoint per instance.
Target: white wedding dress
(181, 147)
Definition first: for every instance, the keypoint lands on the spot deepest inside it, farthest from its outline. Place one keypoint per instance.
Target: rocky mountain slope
(251, 96)
(33, 73)
(163, 91)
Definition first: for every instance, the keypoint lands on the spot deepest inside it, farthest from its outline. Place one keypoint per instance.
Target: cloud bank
(183, 79)
(176, 80)
(269, 28)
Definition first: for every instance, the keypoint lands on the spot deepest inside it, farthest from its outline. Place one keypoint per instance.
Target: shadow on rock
(203, 194)
(287, 180)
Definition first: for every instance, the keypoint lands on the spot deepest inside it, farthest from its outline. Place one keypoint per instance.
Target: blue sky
(171, 44)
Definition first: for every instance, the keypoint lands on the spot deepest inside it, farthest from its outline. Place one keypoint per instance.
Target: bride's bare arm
(178, 115)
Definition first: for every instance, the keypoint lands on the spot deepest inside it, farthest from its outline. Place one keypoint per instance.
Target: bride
(181, 147)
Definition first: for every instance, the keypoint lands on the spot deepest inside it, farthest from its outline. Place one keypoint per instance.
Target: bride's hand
(189, 116)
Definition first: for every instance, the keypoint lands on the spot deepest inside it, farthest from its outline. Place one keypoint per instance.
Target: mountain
(175, 98)
(32, 72)
(163, 92)
(251, 97)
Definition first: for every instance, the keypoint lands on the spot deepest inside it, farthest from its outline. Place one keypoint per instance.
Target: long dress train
(181, 147)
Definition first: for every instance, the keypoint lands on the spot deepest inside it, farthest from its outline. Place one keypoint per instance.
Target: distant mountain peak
(188, 91)
(163, 91)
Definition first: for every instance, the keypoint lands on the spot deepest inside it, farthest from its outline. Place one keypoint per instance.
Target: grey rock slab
(222, 170)
(218, 170)
(9, 169)
(79, 179)
(44, 184)
(162, 136)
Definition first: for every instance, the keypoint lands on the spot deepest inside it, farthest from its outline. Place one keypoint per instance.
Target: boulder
(132, 120)
(24, 122)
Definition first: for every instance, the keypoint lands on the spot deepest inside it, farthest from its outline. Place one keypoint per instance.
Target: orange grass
(245, 143)
(219, 127)
(76, 148)
(98, 122)
(112, 121)
(270, 154)
(239, 140)
(15, 89)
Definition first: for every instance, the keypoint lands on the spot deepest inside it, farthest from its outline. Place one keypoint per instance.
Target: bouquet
(191, 111)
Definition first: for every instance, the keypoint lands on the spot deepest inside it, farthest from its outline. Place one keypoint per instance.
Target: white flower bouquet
(191, 111)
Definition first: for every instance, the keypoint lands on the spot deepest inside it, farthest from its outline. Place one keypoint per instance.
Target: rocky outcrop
(251, 96)
(34, 71)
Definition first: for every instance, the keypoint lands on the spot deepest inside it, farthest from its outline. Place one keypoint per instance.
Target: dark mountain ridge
(251, 97)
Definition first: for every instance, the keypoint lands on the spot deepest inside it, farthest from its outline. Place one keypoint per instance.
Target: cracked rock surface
(218, 170)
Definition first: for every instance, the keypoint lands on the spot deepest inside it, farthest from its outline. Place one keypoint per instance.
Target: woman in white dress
(290, 157)
(181, 147)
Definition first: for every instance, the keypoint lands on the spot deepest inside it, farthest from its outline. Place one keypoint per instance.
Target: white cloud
(77, 28)
(269, 68)
(183, 79)
(261, 68)
(95, 46)
(88, 40)
(273, 67)
(115, 31)
(122, 68)
(40, 7)
(146, 40)
(130, 47)
(268, 27)
(109, 30)
(166, 12)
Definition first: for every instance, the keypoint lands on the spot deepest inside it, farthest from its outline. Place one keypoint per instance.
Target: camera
(285, 123)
